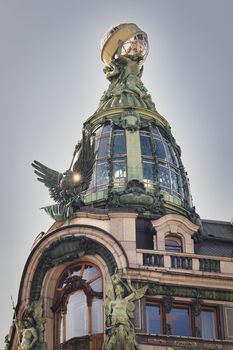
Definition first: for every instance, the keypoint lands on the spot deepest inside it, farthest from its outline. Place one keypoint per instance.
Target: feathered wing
(109, 296)
(136, 295)
(50, 178)
(85, 162)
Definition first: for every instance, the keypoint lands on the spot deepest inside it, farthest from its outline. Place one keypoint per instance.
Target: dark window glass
(101, 173)
(175, 182)
(208, 324)
(103, 147)
(173, 155)
(160, 151)
(155, 132)
(146, 149)
(118, 170)
(119, 144)
(148, 171)
(97, 134)
(169, 153)
(164, 177)
(173, 245)
(153, 319)
(180, 322)
(106, 128)
(163, 133)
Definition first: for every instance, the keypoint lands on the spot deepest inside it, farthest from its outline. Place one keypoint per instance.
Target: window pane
(101, 173)
(76, 318)
(106, 128)
(97, 316)
(180, 322)
(153, 319)
(90, 272)
(118, 170)
(119, 144)
(155, 132)
(103, 147)
(97, 285)
(93, 178)
(175, 182)
(172, 245)
(208, 324)
(164, 177)
(169, 154)
(145, 145)
(160, 151)
(148, 171)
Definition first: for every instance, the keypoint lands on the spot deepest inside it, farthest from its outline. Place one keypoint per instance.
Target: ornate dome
(138, 163)
(128, 157)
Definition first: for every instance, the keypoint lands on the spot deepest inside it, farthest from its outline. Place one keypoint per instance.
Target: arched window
(79, 305)
(173, 244)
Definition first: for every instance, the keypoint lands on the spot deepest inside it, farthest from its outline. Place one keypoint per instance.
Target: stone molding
(177, 225)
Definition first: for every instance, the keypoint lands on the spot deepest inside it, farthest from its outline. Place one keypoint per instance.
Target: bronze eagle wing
(50, 178)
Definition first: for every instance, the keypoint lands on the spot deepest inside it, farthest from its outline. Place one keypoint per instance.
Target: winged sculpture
(119, 307)
(67, 188)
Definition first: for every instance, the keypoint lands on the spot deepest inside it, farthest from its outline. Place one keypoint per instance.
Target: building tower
(127, 264)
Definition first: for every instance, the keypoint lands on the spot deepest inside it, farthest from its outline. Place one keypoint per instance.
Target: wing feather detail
(50, 178)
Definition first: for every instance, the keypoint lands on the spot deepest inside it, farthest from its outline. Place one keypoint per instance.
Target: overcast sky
(51, 80)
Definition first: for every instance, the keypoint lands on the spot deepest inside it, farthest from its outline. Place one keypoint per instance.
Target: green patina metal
(125, 105)
(134, 162)
(67, 249)
(196, 293)
(66, 189)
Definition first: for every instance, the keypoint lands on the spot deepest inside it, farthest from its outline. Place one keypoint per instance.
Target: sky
(51, 80)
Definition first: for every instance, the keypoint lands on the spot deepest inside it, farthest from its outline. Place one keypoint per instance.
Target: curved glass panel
(119, 146)
(164, 177)
(101, 173)
(103, 150)
(159, 149)
(148, 171)
(146, 148)
(119, 170)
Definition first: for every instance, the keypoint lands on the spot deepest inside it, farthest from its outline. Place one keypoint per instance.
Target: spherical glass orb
(125, 39)
(137, 44)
